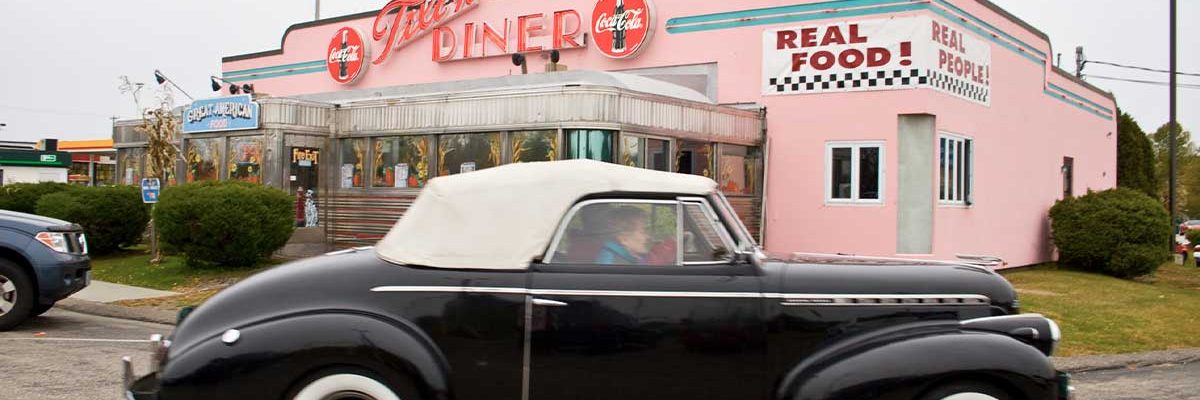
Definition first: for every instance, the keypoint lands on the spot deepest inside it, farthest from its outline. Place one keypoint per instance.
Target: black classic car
(585, 280)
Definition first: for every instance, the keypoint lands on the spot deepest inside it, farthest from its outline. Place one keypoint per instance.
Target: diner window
(591, 144)
(955, 155)
(468, 152)
(203, 159)
(80, 173)
(354, 158)
(104, 174)
(130, 161)
(854, 172)
(741, 167)
(658, 154)
(695, 158)
(245, 158)
(530, 146)
(632, 151)
(401, 161)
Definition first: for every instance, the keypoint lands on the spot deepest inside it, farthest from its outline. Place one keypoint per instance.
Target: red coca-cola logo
(346, 56)
(621, 27)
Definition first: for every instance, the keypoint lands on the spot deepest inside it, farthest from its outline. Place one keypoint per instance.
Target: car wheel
(16, 295)
(345, 386)
(967, 391)
(40, 309)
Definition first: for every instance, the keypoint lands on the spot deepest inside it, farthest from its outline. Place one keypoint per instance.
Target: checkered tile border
(849, 80)
(959, 87)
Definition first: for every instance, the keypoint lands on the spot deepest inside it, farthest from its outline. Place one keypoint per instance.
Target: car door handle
(548, 303)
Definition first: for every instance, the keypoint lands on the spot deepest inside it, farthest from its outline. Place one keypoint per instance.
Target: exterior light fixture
(247, 88)
(216, 85)
(162, 78)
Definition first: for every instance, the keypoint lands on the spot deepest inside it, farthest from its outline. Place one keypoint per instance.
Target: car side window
(620, 232)
(704, 239)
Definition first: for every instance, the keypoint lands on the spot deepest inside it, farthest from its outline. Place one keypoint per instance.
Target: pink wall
(1020, 138)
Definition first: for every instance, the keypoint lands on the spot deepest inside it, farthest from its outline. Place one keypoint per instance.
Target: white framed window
(854, 172)
(956, 167)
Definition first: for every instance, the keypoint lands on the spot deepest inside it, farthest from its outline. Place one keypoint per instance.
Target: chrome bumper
(145, 387)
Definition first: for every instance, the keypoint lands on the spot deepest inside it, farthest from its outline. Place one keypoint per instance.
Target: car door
(671, 318)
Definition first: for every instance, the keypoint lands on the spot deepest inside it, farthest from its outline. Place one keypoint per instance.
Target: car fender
(905, 361)
(268, 358)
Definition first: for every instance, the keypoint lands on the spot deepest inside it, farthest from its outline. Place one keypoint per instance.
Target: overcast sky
(62, 58)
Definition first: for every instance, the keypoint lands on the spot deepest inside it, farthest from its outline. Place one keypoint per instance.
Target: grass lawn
(1100, 314)
(132, 267)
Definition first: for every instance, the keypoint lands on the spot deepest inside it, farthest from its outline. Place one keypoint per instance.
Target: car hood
(34, 223)
(866, 276)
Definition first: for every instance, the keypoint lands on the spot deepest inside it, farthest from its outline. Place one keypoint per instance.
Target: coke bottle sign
(622, 27)
(346, 56)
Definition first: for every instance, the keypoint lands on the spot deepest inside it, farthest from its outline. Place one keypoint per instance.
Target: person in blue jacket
(630, 240)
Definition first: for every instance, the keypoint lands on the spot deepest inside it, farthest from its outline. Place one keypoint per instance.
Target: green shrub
(233, 224)
(1193, 237)
(23, 197)
(112, 217)
(1119, 232)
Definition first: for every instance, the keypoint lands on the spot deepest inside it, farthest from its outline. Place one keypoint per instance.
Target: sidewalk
(96, 297)
(104, 292)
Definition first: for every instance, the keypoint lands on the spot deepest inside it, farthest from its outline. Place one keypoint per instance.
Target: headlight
(56, 241)
(1055, 336)
(83, 243)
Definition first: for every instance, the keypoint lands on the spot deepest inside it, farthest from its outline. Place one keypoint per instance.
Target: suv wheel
(16, 295)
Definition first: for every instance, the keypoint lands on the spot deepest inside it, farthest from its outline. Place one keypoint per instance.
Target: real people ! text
(953, 61)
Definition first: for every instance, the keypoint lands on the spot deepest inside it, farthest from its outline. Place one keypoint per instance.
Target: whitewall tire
(969, 396)
(345, 386)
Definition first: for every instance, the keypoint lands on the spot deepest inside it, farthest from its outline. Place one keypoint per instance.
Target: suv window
(641, 232)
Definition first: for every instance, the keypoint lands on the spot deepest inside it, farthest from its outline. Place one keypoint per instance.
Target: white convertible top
(504, 217)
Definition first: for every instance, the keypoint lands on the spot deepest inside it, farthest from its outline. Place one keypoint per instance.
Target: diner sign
(885, 54)
(221, 114)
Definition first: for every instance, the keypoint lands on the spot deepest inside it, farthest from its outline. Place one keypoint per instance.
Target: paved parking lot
(65, 355)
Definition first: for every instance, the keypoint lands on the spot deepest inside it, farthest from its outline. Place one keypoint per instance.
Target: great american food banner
(882, 54)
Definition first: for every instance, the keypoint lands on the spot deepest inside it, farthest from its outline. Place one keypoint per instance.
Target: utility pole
(317, 11)
(1080, 62)
(1172, 125)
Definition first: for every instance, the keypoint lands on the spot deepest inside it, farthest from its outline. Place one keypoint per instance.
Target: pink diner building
(914, 128)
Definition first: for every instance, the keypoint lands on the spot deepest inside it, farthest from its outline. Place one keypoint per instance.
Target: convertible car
(586, 280)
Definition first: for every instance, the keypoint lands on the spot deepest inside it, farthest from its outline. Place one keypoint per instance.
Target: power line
(1159, 83)
(1140, 68)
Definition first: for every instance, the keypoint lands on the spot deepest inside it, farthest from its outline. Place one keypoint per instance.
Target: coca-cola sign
(346, 56)
(621, 27)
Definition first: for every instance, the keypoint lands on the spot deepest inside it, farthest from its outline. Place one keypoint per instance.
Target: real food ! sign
(897, 53)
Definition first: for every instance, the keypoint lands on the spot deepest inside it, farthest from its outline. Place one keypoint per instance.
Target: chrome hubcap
(8, 295)
(969, 396)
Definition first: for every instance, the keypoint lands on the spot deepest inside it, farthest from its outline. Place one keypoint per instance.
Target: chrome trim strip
(451, 289)
(526, 353)
(788, 298)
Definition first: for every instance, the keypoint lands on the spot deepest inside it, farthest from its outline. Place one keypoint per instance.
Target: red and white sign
(347, 55)
(887, 54)
(622, 27)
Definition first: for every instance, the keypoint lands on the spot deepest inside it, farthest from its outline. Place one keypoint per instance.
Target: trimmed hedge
(1118, 232)
(23, 197)
(112, 217)
(233, 224)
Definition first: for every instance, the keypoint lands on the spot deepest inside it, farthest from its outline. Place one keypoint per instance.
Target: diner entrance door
(304, 184)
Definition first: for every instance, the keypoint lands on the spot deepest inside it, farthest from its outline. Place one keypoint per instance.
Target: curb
(1126, 360)
(116, 311)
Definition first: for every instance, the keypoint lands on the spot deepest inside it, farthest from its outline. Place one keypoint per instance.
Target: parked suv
(42, 260)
